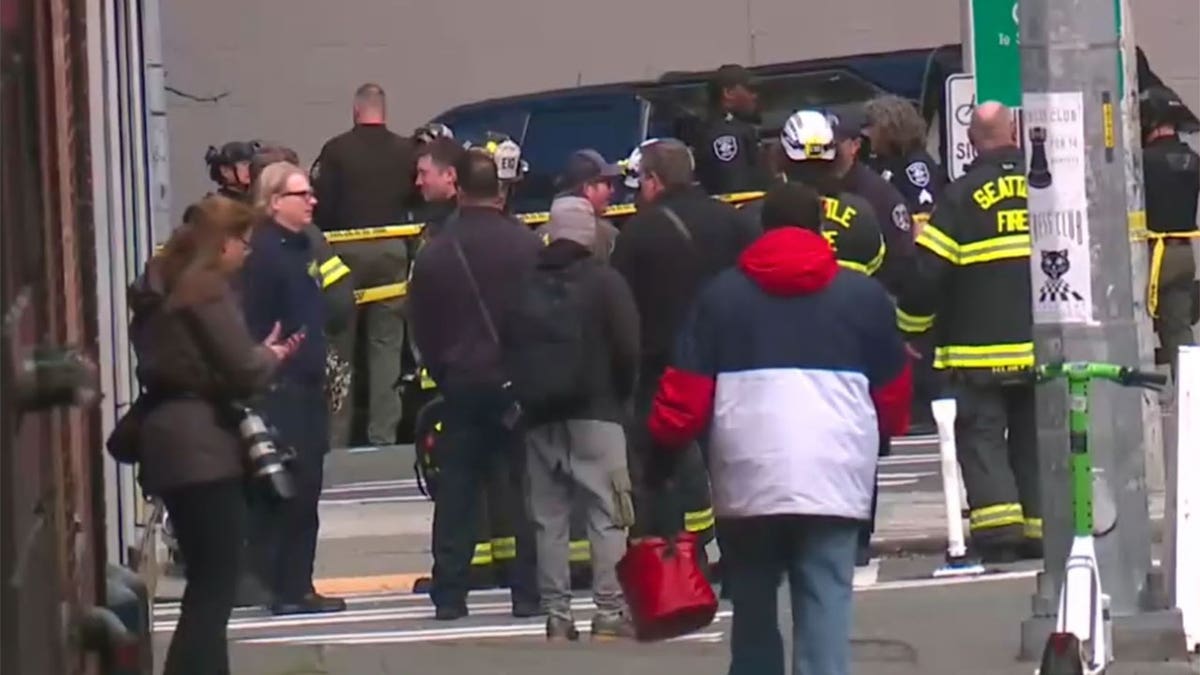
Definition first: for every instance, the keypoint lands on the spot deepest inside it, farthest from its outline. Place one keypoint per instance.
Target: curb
(383, 583)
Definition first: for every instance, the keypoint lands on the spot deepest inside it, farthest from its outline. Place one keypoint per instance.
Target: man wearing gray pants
(571, 348)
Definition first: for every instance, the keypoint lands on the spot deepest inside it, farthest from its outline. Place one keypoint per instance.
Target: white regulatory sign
(960, 103)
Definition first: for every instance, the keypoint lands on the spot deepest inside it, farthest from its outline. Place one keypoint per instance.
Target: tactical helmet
(1159, 106)
(229, 154)
(428, 132)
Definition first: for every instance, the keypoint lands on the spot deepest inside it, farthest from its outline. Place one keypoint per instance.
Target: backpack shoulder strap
(676, 221)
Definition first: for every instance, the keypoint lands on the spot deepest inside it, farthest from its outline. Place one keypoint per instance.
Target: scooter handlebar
(1141, 378)
(1129, 377)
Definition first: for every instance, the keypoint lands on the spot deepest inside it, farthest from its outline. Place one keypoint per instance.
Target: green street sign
(996, 45)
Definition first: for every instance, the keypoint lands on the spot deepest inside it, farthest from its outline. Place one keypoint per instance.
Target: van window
(474, 124)
(608, 124)
(678, 108)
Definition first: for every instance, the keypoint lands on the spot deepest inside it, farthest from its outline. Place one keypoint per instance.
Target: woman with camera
(196, 357)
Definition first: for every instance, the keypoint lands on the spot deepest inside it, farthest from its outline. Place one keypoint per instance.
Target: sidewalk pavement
(386, 547)
(944, 629)
(376, 548)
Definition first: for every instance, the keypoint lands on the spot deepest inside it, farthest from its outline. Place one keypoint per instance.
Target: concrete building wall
(286, 69)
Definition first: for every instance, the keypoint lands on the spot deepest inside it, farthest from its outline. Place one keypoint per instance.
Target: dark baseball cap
(732, 75)
(847, 123)
(587, 165)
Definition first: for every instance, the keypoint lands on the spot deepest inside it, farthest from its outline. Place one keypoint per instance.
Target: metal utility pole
(1089, 283)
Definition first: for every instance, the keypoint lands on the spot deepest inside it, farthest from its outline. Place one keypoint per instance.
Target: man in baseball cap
(587, 185)
(590, 176)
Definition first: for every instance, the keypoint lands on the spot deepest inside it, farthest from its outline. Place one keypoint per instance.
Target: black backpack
(547, 342)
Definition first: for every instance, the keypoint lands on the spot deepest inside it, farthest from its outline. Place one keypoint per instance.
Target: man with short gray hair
(679, 239)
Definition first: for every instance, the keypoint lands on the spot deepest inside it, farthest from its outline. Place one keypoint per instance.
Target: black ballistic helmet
(229, 154)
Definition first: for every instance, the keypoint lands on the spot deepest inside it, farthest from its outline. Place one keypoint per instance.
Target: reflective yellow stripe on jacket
(988, 250)
(699, 521)
(913, 323)
(871, 267)
(1017, 355)
(332, 271)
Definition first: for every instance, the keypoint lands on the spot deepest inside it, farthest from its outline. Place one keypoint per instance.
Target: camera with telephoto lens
(268, 464)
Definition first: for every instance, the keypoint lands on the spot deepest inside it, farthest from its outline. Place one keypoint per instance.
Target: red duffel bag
(667, 593)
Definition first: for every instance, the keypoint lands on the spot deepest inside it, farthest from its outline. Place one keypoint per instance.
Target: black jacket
(726, 151)
(974, 269)
(448, 325)
(613, 330)
(917, 176)
(1172, 182)
(364, 178)
(895, 222)
(665, 270)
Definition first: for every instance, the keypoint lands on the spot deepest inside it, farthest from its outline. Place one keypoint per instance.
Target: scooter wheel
(1063, 655)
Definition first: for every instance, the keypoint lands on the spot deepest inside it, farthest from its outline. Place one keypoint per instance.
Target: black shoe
(423, 586)
(450, 612)
(525, 609)
(313, 603)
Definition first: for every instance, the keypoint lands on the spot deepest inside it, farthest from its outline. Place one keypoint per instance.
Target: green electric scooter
(1081, 643)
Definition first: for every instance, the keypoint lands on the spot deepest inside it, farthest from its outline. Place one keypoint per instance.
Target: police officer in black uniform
(1172, 179)
(894, 146)
(229, 168)
(726, 147)
(894, 217)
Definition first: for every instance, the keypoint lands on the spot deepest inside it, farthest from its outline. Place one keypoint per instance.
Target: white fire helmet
(808, 135)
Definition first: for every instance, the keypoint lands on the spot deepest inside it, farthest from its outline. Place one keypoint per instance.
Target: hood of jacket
(789, 261)
(561, 253)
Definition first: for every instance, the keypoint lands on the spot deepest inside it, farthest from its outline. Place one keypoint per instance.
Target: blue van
(614, 118)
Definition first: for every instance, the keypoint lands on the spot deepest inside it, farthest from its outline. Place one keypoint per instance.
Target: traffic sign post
(996, 51)
(960, 103)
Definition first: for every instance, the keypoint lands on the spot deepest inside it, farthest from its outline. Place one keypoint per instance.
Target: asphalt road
(385, 475)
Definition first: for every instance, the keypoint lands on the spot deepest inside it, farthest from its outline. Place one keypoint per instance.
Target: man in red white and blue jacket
(793, 369)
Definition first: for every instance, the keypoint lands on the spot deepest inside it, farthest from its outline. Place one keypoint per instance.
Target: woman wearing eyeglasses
(281, 284)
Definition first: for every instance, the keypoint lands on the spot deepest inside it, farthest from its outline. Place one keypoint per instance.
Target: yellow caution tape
(532, 218)
(1156, 258)
(370, 233)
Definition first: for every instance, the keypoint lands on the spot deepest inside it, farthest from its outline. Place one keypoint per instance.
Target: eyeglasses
(303, 194)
